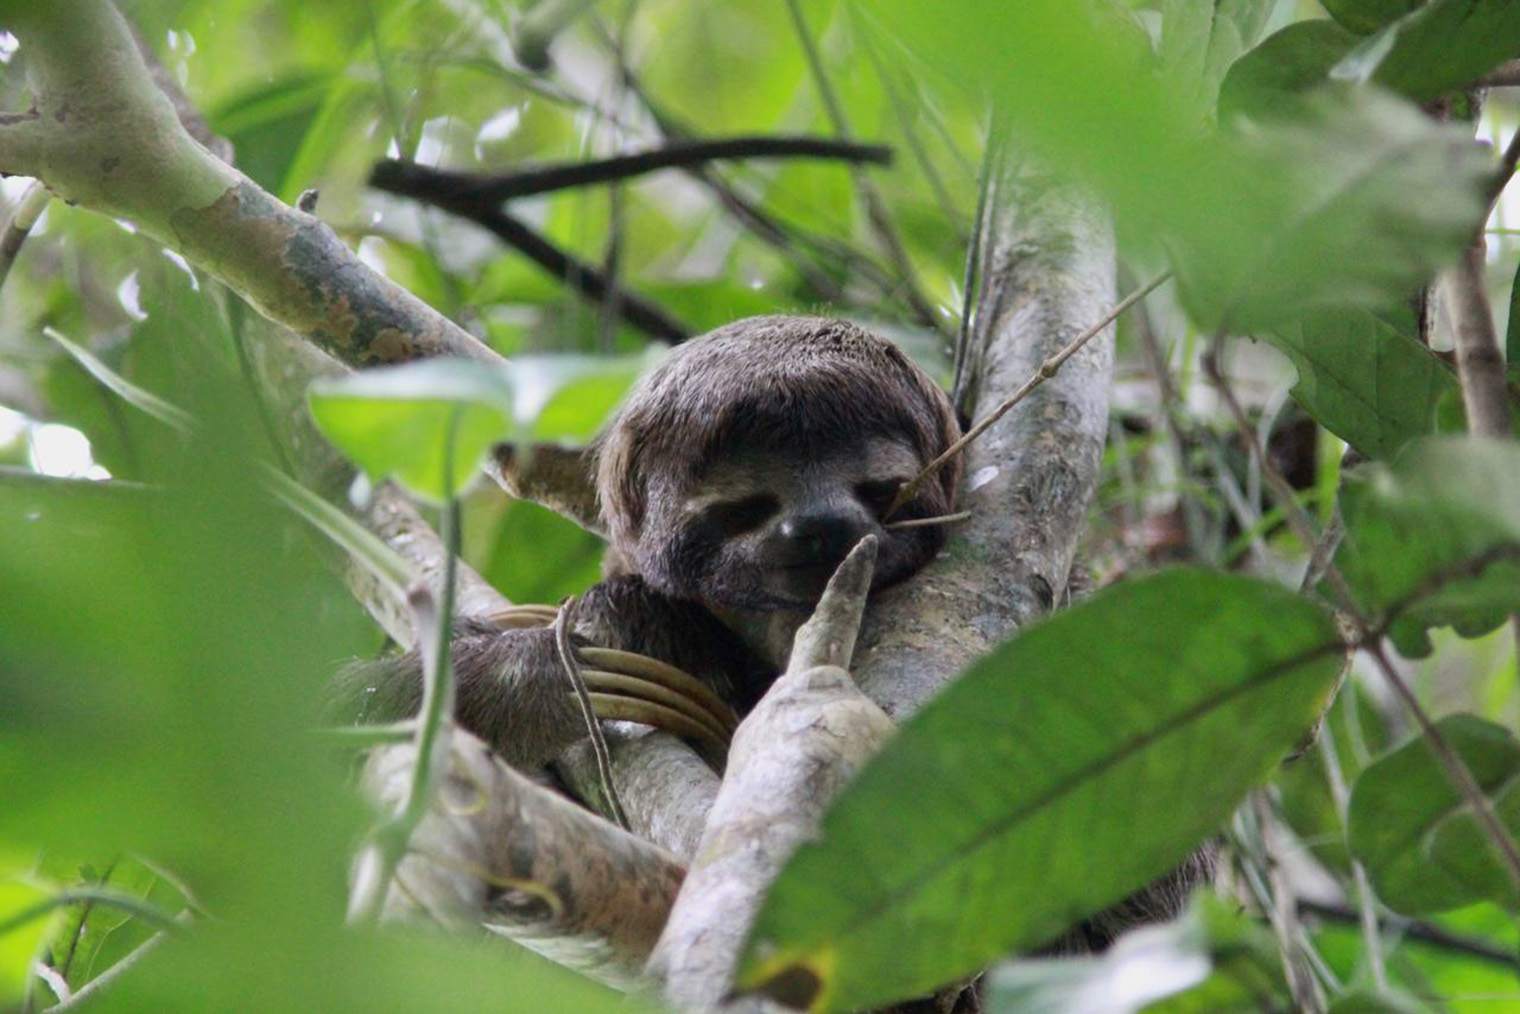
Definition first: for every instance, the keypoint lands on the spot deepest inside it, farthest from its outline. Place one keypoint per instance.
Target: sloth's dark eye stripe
(739, 516)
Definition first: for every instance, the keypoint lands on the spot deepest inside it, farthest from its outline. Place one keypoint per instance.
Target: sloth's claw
(668, 677)
(620, 708)
(628, 687)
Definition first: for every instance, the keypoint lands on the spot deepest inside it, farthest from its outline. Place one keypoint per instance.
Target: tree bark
(1050, 267)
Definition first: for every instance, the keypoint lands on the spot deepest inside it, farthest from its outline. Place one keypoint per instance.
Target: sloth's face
(764, 529)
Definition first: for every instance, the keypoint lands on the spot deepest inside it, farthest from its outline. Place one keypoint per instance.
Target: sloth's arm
(513, 692)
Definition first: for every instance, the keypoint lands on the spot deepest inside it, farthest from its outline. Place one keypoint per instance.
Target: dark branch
(412, 180)
(580, 276)
(1424, 932)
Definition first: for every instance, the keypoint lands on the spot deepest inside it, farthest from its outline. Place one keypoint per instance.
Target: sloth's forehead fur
(800, 386)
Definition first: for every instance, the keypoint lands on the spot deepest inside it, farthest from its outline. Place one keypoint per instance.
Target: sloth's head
(744, 468)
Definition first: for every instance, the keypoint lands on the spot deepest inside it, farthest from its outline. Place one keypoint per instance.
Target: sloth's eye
(878, 493)
(736, 517)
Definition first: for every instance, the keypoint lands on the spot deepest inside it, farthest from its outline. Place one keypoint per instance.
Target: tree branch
(409, 179)
(497, 850)
(792, 753)
(1480, 363)
(1049, 274)
(107, 138)
(578, 275)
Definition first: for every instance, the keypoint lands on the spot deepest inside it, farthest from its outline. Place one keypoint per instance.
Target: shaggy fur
(794, 411)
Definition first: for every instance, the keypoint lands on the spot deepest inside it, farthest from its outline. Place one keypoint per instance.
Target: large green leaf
(1268, 81)
(1415, 836)
(1364, 380)
(1071, 766)
(1437, 48)
(430, 423)
(1435, 539)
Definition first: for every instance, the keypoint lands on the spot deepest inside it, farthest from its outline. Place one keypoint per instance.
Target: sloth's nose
(819, 538)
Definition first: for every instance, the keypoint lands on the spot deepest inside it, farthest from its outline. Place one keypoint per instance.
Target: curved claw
(667, 676)
(614, 707)
(524, 617)
(626, 686)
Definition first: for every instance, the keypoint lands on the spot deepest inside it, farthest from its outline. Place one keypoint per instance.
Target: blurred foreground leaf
(1268, 82)
(1071, 766)
(1263, 222)
(21, 944)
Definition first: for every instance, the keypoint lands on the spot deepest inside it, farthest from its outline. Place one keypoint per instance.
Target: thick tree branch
(104, 136)
(1049, 275)
(806, 737)
(498, 851)
(412, 180)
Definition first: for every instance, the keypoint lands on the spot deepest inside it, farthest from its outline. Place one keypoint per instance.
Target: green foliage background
(164, 637)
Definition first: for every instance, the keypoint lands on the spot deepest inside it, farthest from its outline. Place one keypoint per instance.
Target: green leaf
(1349, 234)
(1074, 764)
(86, 926)
(20, 945)
(429, 424)
(1442, 46)
(397, 420)
(1364, 16)
(1363, 380)
(1200, 39)
(1412, 831)
(266, 124)
(139, 398)
(1435, 539)
(1268, 81)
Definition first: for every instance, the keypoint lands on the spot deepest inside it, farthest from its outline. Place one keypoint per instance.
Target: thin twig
(1507, 163)
(433, 619)
(562, 628)
(89, 894)
(971, 281)
(401, 177)
(943, 519)
(105, 980)
(1366, 901)
(1277, 900)
(582, 277)
(1047, 369)
(1424, 932)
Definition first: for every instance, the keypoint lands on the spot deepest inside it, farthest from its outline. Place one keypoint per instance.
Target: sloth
(734, 480)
